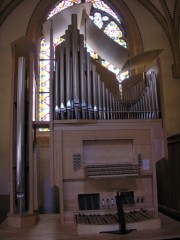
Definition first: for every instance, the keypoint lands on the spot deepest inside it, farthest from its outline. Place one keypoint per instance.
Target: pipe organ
(80, 91)
(85, 157)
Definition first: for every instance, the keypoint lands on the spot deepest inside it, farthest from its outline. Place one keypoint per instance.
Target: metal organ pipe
(83, 86)
(99, 96)
(68, 78)
(75, 62)
(20, 129)
(107, 102)
(62, 83)
(153, 75)
(94, 81)
(103, 100)
(89, 86)
(83, 93)
(56, 91)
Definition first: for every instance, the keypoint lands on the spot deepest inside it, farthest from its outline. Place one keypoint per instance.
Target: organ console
(80, 91)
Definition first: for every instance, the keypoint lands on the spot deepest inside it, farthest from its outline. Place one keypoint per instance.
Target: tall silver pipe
(56, 91)
(120, 109)
(141, 108)
(89, 86)
(107, 102)
(155, 94)
(110, 105)
(145, 105)
(152, 97)
(113, 107)
(76, 99)
(83, 87)
(68, 73)
(20, 140)
(103, 100)
(94, 80)
(99, 97)
(62, 81)
(116, 109)
(149, 101)
(136, 99)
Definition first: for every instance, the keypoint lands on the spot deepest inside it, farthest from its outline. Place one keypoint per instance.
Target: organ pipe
(99, 97)
(68, 74)
(20, 128)
(75, 63)
(89, 86)
(62, 83)
(84, 94)
(56, 91)
(83, 83)
(94, 82)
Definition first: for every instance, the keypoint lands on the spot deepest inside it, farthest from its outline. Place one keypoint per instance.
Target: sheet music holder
(121, 218)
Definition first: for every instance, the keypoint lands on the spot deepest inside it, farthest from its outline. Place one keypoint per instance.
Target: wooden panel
(108, 151)
(169, 179)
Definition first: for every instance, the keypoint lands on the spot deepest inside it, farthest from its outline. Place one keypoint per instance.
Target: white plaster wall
(154, 37)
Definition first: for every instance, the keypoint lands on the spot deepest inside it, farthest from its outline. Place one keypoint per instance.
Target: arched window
(106, 19)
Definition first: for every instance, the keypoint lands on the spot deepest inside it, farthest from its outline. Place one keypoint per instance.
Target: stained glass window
(105, 19)
(98, 19)
(93, 54)
(104, 7)
(63, 5)
(111, 68)
(44, 84)
(113, 31)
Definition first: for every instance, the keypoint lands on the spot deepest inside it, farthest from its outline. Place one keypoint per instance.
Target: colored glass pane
(63, 5)
(111, 68)
(44, 106)
(44, 50)
(124, 75)
(98, 20)
(105, 18)
(113, 31)
(44, 84)
(93, 54)
(44, 76)
(123, 43)
(104, 7)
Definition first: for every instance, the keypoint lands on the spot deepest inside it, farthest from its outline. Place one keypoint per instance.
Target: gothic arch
(34, 30)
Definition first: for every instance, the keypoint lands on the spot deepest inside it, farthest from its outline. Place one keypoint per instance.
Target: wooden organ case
(103, 141)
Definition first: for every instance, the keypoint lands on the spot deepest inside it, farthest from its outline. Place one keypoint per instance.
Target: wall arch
(135, 45)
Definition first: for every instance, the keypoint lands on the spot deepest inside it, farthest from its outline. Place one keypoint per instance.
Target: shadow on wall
(50, 200)
(4, 207)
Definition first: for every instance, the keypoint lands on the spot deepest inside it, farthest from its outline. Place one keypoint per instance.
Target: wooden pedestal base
(19, 221)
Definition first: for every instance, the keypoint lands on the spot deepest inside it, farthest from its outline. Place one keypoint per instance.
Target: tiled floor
(49, 228)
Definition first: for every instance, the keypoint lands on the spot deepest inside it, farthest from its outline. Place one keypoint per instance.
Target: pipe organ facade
(80, 91)
(88, 159)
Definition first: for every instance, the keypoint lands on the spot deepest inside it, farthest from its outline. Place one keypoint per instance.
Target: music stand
(121, 218)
